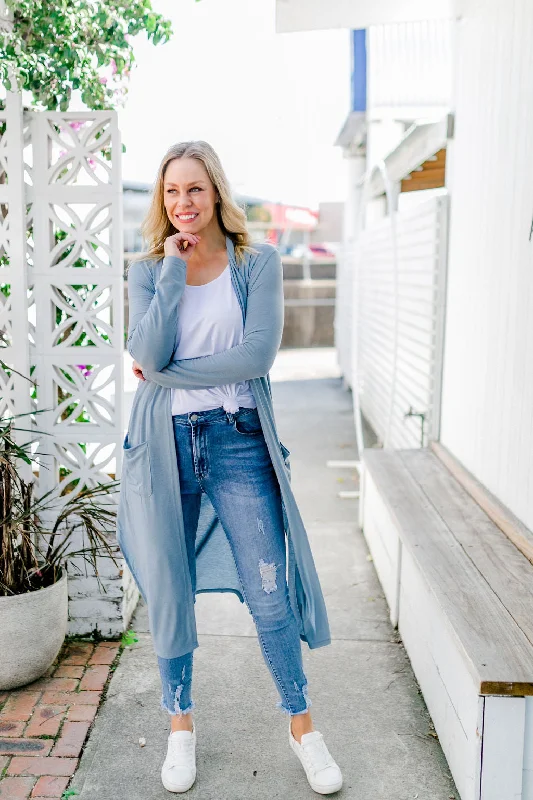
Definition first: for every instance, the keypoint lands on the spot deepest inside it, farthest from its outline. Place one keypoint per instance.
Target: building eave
(352, 134)
(307, 15)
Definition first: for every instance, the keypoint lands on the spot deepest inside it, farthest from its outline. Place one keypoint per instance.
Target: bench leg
(527, 788)
(502, 753)
(383, 541)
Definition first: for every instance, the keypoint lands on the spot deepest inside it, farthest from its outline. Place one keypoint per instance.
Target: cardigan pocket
(137, 470)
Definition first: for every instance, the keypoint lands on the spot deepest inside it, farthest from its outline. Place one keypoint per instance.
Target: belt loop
(230, 416)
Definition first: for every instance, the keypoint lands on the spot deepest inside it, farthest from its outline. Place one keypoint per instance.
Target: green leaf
(129, 638)
(56, 46)
(69, 793)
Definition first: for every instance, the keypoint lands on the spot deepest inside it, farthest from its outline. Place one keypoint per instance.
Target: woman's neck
(211, 247)
(209, 257)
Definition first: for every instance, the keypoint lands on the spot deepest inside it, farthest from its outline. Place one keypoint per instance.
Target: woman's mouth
(186, 217)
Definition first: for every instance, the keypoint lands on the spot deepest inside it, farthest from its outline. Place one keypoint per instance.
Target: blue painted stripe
(358, 93)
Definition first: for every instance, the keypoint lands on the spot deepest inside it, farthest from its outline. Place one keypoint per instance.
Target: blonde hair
(156, 226)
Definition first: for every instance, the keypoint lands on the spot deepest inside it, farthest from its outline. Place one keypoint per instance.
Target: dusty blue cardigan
(150, 528)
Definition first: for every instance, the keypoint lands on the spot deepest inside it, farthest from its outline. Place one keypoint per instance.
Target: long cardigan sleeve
(254, 356)
(153, 311)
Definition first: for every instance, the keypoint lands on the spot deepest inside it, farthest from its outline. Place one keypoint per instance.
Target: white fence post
(14, 327)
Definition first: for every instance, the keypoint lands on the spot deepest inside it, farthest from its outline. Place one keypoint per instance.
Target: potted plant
(37, 540)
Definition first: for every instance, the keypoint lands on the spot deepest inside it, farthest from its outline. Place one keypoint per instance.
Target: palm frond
(38, 536)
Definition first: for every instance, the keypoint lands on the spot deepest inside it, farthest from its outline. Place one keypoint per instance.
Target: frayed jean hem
(308, 704)
(177, 711)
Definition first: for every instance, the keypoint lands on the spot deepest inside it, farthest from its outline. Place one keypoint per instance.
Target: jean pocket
(137, 472)
(248, 423)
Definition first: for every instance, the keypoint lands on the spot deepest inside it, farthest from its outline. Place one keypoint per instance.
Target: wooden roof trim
(420, 143)
(429, 175)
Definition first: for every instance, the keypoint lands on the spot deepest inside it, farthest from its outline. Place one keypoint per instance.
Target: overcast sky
(270, 104)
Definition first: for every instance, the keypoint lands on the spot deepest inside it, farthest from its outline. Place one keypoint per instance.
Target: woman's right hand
(174, 245)
(138, 371)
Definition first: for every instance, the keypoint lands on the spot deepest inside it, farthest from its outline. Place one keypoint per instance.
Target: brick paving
(44, 725)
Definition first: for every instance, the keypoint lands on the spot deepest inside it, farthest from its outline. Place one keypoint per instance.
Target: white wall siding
(410, 65)
(487, 403)
(389, 385)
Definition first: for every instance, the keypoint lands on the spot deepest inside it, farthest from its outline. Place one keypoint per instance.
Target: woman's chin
(195, 229)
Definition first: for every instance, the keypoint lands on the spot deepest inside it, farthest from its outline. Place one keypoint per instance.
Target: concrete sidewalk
(365, 697)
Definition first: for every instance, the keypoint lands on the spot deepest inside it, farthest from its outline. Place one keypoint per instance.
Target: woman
(206, 503)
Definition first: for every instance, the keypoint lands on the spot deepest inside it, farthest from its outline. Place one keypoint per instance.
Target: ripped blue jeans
(225, 455)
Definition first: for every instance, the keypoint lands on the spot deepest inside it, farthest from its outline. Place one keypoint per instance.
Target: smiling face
(189, 195)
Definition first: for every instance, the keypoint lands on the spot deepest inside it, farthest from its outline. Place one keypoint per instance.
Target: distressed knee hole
(260, 525)
(268, 576)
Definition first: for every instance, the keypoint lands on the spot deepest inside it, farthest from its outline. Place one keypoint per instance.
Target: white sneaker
(178, 772)
(323, 773)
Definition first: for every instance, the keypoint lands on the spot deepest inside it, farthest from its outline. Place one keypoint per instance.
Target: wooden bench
(462, 596)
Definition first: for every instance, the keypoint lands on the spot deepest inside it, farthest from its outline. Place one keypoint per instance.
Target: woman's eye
(193, 188)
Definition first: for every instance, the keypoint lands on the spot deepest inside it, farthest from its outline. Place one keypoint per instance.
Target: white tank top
(209, 321)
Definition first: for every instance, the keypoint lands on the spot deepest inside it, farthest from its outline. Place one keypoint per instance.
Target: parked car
(313, 250)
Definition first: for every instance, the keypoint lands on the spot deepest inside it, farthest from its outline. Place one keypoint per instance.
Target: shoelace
(317, 754)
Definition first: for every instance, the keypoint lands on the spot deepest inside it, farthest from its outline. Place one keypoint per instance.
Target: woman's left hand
(137, 371)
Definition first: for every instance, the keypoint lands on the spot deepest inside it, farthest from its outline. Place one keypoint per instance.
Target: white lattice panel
(77, 282)
(61, 317)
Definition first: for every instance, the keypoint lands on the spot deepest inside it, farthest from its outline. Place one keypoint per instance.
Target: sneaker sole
(172, 787)
(330, 790)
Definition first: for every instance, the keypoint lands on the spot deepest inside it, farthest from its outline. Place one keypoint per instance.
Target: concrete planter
(33, 626)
